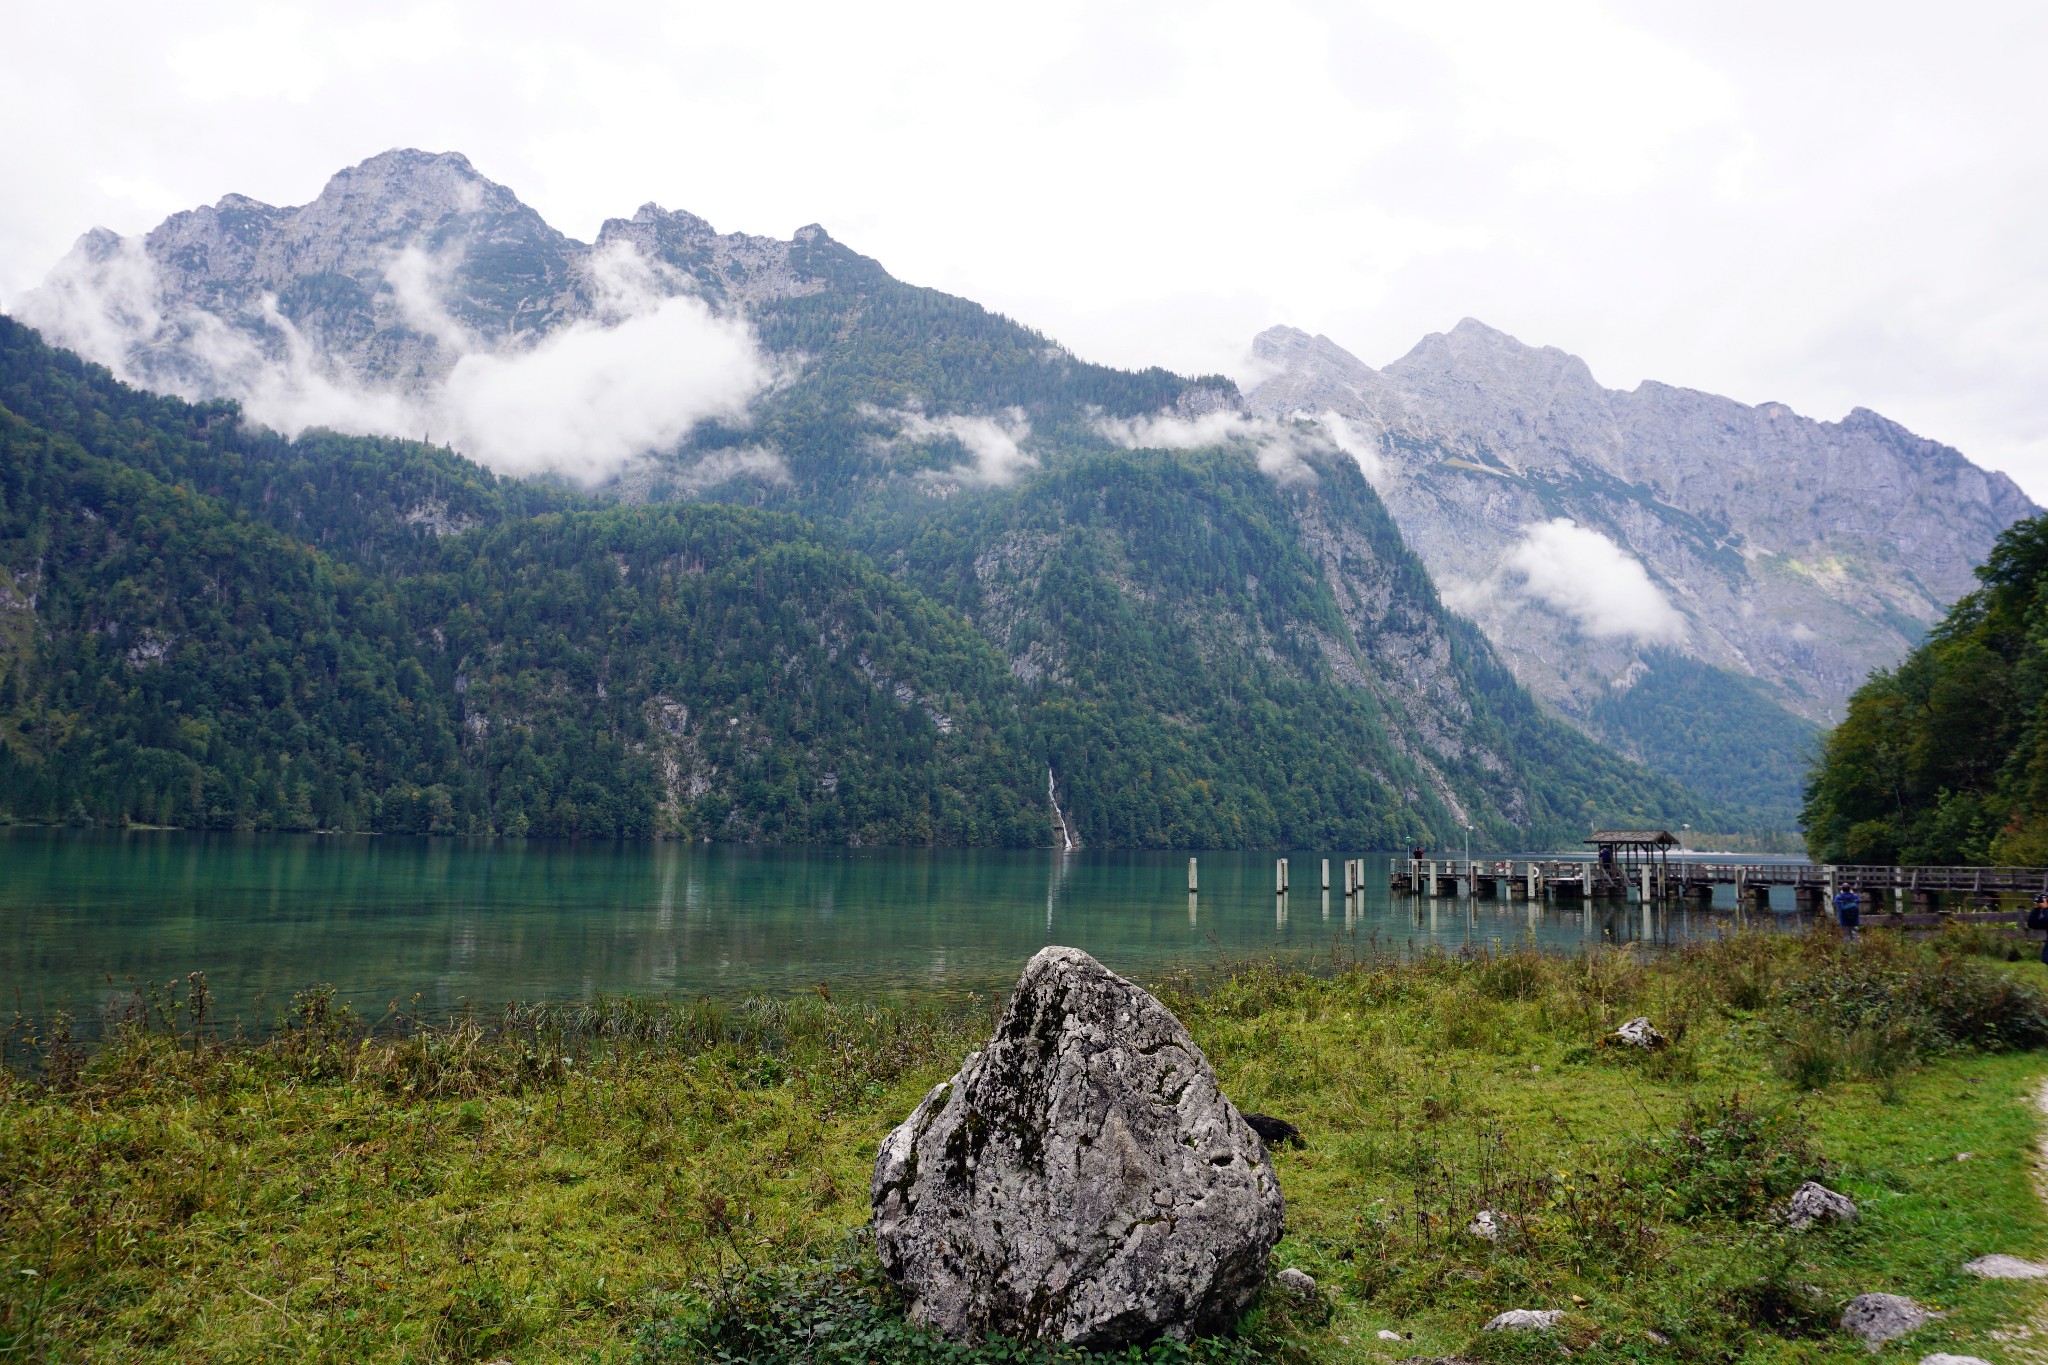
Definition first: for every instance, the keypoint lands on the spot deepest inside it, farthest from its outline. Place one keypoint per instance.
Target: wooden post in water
(1326, 874)
(1646, 883)
(1191, 876)
(1279, 876)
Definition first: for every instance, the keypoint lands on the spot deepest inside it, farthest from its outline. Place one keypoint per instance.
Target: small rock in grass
(1486, 1225)
(1877, 1318)
(1964, 1156)
(1814, 1202)
(1387, 1335)
(2003, 1267)
(1944, 1358)
(1656, 1337)
(1525, 1320)
(1299, 1281)
(1640, 1033)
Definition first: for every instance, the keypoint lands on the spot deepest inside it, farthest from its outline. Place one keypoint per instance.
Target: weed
(1732, 1159)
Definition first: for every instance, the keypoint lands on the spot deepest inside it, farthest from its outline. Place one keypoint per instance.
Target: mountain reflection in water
(88, 916)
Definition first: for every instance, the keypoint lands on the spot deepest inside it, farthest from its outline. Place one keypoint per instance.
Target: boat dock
(1901, 890)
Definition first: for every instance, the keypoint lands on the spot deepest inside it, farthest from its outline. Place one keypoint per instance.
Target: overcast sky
(1830, 205)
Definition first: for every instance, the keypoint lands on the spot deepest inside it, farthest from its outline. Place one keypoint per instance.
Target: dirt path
(2027, 1341)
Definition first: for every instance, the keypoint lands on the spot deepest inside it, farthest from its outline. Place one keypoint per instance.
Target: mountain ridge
(665, 360)
(555, 689)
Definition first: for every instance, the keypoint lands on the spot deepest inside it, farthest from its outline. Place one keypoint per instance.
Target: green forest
(1736, 746)
(1944, 759)
(205, 625)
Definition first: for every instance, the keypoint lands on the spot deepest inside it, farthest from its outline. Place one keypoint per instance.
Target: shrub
(1731, 1159)
(1928, 999)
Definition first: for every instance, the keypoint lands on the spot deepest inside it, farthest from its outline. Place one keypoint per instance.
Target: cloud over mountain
(627, 362)
(1582, 574)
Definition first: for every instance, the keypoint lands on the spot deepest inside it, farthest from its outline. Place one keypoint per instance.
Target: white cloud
(722, 466)
(588, 398)
(584, 400)
(1358, 446)
(1278, 447)
(993, 443)
(101, 299)
(1583, 575)
(415, 279)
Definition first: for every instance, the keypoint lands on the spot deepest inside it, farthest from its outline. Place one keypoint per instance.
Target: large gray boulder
(1082, 1179)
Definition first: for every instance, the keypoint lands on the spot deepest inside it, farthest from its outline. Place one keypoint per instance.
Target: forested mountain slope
(1944, 759)
(1203, 630)
(689, 669)
(207, 625)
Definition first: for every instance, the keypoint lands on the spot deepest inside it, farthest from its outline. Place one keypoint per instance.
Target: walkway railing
(1661, 879)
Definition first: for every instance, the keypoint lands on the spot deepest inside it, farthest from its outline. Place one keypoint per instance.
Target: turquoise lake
(87, 917)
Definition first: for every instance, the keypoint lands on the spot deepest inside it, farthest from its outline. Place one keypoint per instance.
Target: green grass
(644, 1182)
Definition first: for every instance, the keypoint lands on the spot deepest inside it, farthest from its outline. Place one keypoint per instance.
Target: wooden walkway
(1901, 890)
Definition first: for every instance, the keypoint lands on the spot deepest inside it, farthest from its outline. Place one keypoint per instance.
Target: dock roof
(1660, 838)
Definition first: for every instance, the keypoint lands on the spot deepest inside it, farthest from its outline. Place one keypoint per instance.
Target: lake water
(87, 916)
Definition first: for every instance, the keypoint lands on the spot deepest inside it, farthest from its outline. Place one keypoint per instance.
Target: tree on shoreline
(1944, 759)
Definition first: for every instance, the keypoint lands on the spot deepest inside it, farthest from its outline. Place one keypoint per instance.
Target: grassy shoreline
(592, 1183)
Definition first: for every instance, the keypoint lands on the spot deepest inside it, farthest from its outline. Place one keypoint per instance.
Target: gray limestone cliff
(1749, 540)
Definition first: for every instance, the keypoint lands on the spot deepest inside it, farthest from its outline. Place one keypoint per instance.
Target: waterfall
(1067, 844)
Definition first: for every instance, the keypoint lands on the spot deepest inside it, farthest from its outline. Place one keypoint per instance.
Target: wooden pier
(1885, 890)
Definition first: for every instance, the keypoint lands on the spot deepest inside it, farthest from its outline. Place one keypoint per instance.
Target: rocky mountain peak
(424, 198)
(1278, 344)
(1480, 363)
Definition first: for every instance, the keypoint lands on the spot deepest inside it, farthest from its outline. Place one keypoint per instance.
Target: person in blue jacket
(2037, 919)
(1848, 908)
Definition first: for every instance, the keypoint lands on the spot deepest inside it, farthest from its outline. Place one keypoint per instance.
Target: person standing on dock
(1848, 908)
